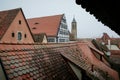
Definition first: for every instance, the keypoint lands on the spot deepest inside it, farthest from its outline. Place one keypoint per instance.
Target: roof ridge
(10, 9)
(45, 16)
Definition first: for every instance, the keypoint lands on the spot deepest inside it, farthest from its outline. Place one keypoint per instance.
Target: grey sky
(88, 26)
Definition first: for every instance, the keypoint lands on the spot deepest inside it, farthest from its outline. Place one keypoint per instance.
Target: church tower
(74, 29)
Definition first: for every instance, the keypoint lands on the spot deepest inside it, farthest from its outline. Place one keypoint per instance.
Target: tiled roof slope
(97, 63)
(48, 25)
(115, 52)
(81, 55)
(34, 62)
(6, 18)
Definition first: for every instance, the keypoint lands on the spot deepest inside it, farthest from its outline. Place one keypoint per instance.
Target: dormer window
(36, 23)
(19, 21)
(34, 28)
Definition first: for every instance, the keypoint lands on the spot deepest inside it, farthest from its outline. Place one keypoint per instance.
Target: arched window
(19, 35)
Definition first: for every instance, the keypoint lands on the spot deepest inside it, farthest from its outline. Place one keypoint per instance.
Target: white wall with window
(63, 33)
(51, 39)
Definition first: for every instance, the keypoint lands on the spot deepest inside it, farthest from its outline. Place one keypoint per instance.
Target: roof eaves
(92, 48)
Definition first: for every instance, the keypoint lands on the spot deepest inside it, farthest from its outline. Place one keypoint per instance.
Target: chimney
(109, 44)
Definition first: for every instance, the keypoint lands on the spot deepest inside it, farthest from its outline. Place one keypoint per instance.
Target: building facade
(55, 27)
(14, 27)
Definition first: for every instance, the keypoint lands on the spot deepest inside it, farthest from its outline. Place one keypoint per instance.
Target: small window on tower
(19, 21)
(13, 34)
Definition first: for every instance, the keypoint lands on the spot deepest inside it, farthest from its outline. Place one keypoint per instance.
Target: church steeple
(74, 29)
(74, 20)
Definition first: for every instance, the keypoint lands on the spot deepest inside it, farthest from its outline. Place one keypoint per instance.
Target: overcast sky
(88, 26)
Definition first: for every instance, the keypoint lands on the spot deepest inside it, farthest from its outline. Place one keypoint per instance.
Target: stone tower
(74, 29)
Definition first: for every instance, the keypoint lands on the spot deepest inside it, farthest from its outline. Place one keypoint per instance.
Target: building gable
(18, 30)
(6, 18)
(63, 32)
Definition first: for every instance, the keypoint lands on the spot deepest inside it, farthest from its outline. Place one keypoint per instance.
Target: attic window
(34, 28)
(19, 21)
(13, 34)
(25, 36)
(36, 23)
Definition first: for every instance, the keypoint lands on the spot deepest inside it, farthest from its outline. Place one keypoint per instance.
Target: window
(64, 20)
(13, 34)
(19, 35)
(62, 40)
(19, 21)
(61, 32)
(51, 40)
(36, 23)
(34, 28)
(25, 36)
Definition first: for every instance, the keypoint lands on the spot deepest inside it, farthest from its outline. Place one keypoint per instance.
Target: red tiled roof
(6, 18)
(48, 25)
(82, 56)
(115, 52)
(33, 62)
(115, 59)
(93, 60)
(96, 50)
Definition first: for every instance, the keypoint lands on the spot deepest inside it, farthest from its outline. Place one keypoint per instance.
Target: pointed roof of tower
(74, 20)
